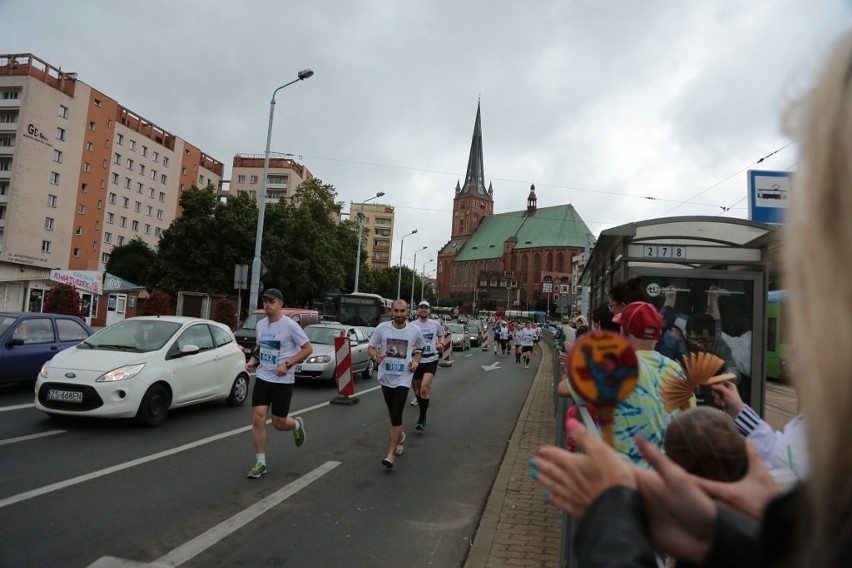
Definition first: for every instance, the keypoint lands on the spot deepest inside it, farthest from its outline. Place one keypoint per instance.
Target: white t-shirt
(398, 347)
(278, 342)
(527, 337)
(518, 335)
(431, 331)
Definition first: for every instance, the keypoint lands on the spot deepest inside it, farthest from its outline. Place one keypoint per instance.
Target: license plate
(65, 396)
(298, 368)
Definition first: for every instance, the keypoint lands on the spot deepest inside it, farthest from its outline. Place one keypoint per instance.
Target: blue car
(29, 340)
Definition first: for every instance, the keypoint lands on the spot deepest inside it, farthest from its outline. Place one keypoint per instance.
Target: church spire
(474, 181)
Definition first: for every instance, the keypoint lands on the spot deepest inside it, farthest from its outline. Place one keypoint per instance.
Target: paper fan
(700, 369)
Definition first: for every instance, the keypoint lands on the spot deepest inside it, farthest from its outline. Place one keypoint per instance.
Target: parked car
(475, 329)
(320, 366)
(142, 367)
(460, 336)
(247, 334)
(28, 340)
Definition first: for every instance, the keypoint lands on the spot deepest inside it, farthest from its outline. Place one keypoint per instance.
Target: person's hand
(250, 365)
(680, 514)
(751, 494)
(573, 481)
(727, 397)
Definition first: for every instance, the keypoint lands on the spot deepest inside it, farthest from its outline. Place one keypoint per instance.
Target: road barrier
(343, 371)
(447, 355)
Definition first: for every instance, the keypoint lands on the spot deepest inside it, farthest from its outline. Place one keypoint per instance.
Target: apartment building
(378, 218)
(79, 174)
(283, 177)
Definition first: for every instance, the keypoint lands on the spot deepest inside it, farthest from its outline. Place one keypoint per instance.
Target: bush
(64, 299)
(226, 312)
(159, 303)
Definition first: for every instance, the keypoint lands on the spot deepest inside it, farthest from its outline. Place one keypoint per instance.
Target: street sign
(241, 276)
(768, 195)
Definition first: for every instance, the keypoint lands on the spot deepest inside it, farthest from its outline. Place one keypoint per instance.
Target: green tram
(777, 346)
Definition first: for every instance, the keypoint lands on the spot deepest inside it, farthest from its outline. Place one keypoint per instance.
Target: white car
(142, 367)
(320, 366)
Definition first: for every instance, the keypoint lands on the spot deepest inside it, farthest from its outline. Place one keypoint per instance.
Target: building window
(79, 230)
(57, 156)
(92, 125)
(122, 221)
(54, 178)
(125, 202)
(45, 246)
(160, 214)
(97, 225)
(63, 111)
(119, 138)
(110, 218)
(104, 164)
(158, 231)
(162, 197)
(97, 102)
(76, 252)
(139, 187)
(60, 133)
(242, 179)
(147, 229)
(200, 181)
(132, 145)
(153, 174)
(142, 169)
(105, 257)
(254, 180)
(165, 161)
(94, 245)
(87, 167)
(116, 159)
(144, 150)
(100, 204)
(156, 157)
(149, 210)
(51, 200)
(107, 237)
(48, 223)
(127, 183)
(84, 188)
(89, 146)
(119, 240)
(114, 178)
(134, 225)
(111, 197)
(129, 164)
(137, 207)
(163, 178)
(151, 192)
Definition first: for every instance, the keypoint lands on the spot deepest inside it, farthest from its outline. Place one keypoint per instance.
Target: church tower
(472, 201)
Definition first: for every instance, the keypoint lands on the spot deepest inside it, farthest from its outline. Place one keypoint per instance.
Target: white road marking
(145, 459)
(31, 437)
(17, 407)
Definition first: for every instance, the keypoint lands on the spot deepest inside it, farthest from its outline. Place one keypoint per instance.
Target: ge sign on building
(768, 196)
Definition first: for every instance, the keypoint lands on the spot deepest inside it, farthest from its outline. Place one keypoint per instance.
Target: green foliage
(159, 303)
(132, 261)
(63, 299)
(226, 312)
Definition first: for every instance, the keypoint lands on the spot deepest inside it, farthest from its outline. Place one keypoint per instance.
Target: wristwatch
(288, 364)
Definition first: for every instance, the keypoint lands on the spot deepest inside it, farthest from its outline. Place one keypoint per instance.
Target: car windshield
(133, 335)
(323, 335)
(456, 328)
(5, 322)
(474, 327)
(252, 319)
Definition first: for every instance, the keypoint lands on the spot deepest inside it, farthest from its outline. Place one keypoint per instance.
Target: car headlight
(44, 369)
(120, 374)
(319, 359)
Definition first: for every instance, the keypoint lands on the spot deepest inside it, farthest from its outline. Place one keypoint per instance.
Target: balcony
(8, 126)
(10, 103)
(381, 248)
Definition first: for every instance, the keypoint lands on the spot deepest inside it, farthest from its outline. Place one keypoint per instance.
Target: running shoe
(414, 401)
(256, 471)
(421, 424)
(387, 462)
(299, 431)
(400, 447)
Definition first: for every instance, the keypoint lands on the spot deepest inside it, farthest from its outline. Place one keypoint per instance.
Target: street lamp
(414, 273)
(360, 225)
(399, 278)
(423, 280)
(261, 206)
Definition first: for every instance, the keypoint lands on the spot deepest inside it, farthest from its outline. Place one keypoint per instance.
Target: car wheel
(239, 391)
(154, 406)
(368, 371)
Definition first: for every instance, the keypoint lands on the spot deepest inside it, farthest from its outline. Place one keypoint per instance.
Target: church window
(559, 265)
(549, 262)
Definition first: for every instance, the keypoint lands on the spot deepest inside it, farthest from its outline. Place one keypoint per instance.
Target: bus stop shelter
(697, 265)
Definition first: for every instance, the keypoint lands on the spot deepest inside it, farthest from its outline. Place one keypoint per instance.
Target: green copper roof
(454, 245)
(558, 226)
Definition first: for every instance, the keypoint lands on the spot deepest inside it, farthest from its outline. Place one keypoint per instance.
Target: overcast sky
(600, 103)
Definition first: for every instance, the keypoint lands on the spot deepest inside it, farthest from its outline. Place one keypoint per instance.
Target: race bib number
(394, 368)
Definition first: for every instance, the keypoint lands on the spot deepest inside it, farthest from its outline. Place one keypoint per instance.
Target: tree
(226, 312)
(132, 261)
(64, 299)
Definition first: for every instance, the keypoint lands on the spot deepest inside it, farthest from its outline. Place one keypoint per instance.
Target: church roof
(474, 181)
(557, 226)
(454, 246)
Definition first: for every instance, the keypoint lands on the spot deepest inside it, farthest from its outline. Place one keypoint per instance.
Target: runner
(504, 338)
(517, 338)
(397, 347)
(433, 336)
(527, 340)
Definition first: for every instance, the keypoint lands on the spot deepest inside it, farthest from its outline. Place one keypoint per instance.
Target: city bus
(361, 309)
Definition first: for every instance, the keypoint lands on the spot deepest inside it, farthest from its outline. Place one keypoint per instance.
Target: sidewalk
(518, 527)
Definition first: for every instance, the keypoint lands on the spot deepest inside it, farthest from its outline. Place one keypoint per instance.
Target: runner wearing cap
(433, 335)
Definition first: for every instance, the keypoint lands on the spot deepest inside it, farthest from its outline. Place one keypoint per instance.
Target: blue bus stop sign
(768, 196)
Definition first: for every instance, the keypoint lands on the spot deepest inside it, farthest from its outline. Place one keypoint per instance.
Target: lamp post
(360, 225)
(399, 278)
(423, 280)
(261, 205)
(413, 274)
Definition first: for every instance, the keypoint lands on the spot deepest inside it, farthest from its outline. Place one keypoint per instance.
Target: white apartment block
(378, 218)
(79, 175)
(283, 177)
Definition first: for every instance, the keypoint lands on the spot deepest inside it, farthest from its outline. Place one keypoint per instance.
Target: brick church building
(507, 260)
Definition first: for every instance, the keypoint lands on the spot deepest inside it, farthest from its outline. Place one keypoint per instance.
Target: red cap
(642, 320)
